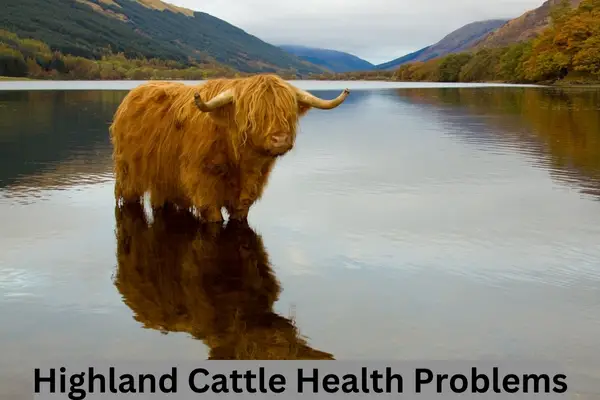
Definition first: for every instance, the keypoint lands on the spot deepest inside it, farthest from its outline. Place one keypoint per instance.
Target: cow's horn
(316, 102)
(219, 100)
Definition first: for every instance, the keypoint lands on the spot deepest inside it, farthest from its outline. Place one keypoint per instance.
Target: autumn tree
(482, 67)
(451, 65)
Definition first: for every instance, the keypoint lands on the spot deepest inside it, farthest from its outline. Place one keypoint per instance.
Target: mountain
(144, 28)
(565, 52)
(336, 61)
(402, 60)
(455, 42)
(523, 28)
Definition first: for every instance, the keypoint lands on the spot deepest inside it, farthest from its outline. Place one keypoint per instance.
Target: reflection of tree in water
(53, 139)
(560, 127)
(215, 283)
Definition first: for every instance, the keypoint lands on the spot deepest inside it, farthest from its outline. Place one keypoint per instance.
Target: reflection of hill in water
(559, 128)
(53, 139)
(216, 284)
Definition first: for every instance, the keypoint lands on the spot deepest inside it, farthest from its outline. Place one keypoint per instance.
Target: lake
(415, 221)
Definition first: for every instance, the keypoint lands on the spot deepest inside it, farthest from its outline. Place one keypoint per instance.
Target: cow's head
(263, 111)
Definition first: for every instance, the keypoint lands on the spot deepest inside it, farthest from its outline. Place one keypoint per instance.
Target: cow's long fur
(213, 282)
(163, 144)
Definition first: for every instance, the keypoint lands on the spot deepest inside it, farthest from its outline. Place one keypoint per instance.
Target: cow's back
(148, 134)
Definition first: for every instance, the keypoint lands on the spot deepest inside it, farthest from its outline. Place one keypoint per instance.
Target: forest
(34, 59)
(567, 51)
(30, 58)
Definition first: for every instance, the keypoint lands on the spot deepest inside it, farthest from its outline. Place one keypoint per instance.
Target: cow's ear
(223, 116)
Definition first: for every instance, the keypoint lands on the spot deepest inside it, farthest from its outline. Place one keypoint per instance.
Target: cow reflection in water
(216, 283)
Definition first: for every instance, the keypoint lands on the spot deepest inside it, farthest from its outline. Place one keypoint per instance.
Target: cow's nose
(282, 140)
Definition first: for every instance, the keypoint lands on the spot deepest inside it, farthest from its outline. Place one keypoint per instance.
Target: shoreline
(561, 84)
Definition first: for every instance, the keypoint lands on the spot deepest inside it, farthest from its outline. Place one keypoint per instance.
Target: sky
(375, 30)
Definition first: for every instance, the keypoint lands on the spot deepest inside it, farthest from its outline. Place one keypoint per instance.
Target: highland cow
(206, 147)
(214, 282)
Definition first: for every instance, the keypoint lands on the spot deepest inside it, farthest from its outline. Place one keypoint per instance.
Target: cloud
(376, 30)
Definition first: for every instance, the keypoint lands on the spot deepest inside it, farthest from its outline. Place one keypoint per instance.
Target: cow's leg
(157, 199)
(205, 192)
(181, 202)
(211, 214)
(253, 180)
(129, 212)
(126, 188)
(160, 200)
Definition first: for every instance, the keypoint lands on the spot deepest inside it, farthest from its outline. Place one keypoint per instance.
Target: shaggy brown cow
(213, 282)
(208, 146)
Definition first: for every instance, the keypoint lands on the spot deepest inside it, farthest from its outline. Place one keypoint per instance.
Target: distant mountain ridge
(484, 34)
(492, 33)
(334, 60)
(455, 42)
(145, 28)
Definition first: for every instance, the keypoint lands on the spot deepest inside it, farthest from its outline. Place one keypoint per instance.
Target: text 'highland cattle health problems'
(212, 379)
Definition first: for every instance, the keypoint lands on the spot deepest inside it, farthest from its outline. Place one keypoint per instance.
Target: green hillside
(144, 29)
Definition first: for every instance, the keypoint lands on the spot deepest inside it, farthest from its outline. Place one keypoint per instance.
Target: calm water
(410, 223)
